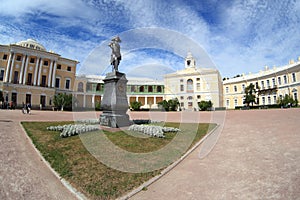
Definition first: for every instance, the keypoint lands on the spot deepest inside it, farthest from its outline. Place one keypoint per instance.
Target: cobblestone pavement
(256, 157)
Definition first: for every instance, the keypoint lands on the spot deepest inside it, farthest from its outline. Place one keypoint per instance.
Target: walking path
(257, 156)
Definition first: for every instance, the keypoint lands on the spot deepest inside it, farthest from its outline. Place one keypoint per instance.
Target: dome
(31, 43)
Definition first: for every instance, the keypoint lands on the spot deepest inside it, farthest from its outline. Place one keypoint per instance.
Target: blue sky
(236, 37)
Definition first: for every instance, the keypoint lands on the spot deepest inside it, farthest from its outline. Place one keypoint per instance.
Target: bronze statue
(115, 54)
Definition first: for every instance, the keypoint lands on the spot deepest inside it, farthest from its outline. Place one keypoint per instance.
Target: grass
(70, 158)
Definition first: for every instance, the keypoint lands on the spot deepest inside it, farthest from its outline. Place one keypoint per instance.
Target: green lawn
(70, 158)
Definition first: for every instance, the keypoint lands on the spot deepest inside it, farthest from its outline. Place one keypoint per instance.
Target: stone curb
(77, 194)
(169, 168)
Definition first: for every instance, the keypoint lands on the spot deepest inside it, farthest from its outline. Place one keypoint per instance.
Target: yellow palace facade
(270, 84)
(31, 74)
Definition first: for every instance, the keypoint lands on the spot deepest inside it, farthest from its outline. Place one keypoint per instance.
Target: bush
(135, 105)
(205, 105)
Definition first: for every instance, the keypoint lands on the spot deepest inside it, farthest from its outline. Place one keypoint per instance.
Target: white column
(40, 72)
(22, 69)
(53, 74)
(11, 68)
(146, 101)
(36, 70)
(25, 71)
(8, 67)
(50, 73)
(137, 98)
(93, 100)
(154, 100)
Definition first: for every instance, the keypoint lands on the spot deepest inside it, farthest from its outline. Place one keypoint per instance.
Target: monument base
(114, 120)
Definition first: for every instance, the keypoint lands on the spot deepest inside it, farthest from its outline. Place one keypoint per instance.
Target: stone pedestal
(114, 103)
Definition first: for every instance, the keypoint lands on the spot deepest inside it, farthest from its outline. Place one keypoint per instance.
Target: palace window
(1, 74)
(69, 68)
(227, 102)
(32, 60)
(198, 87)
(190, 87)
(16, 74)
(262, 84)
(68, 81)
(198, 96)
(279, 80)
(43, 84)
(19, 58)
(273, 81)
(132, 88)
(275, 99)
(190, 98)
(263, 100)
(285, 79)
(159, 89)
(227, 89)
(268, 83)
(295, 96)
(150, 88)
(182, 104)
(269, 100)
(57, 82)
(4, 57)
(46, 62)
(58, 66)
(293, 77)
(181, 88)
(198, 79)
(29, 79)
(243, 86)
(142, 89)
(235, 88)
(235, 102)
(181, 97)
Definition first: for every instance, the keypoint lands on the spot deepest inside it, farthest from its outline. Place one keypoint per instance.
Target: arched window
(159, 89)
(141, 88)
(132, 88)
(189, 85)
(150, 88)
(80, 87)
(190, 98)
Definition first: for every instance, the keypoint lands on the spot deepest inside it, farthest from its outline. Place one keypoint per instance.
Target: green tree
(205, 105)
(287, 101)
(170, 105)
(62, 101)
(135, 105)
(173, 104)
(250, 95)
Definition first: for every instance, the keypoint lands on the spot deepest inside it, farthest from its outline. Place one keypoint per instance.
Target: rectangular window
(182, 104)
(57, 81)
(227, 102)
(198, 87)
(279, 80)
(18, 58)
(294, 77)
(235, 102)
(181, 80)
(273, 81)
(32, 60)
(269, 100)
(29, 79)
(243, 86)
(28, 98)
(1, 74)
(58, 66)
(4, 57)
(67, 84)
(256, 85)
(198, 79)
(268, 83)
(43, 84)
(262, 85)
(295, 96)
(16, 75)
(275, 99)
(69, 68)
(235, 88)
(263, 100)
(285, 79)
(181, 88)
(181, 97)
(46, 62)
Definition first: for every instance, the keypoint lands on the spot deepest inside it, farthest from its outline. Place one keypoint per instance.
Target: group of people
(26, 108)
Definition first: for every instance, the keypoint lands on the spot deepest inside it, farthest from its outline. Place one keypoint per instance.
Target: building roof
(31, 43)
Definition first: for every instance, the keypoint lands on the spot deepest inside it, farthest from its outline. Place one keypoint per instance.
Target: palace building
(270, 84)
(31, 74)
(192, 85)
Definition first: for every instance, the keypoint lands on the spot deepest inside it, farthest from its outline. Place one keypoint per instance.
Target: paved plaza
(257, 156)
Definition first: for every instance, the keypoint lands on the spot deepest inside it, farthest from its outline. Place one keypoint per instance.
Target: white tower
(190, 61)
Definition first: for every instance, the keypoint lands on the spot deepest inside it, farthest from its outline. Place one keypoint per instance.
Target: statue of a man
(115, 52)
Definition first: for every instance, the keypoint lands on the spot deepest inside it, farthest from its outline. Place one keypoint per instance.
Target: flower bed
(154, 131)
(68, 130)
